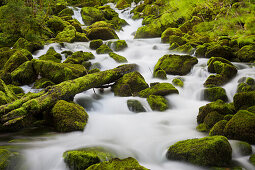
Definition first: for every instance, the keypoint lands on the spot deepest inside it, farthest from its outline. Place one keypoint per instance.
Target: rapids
(144, 136)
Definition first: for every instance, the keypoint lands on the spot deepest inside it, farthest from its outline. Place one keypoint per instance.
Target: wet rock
(246, 53)
(157, 103)
(218, 106)
(24, 74)
(212, 60)
(51, 55)
(95, 44)
(118, 45)
(176, 64)
(9, 159)
(121, 164)
(241, 127)
(91, 15)
(244, 100)
(168, 32)
(103, 49)
(252, 159)
(215, 93)
(178, 82)
(207, 151)
(243, 148)
(43, 83)
(218, 128)
(68, 117)
(186, 49)
(246, 84)
(104, 33)
(160, 74)
(118, 58)
(85, 157)
(130, 84)
(135, 106)
(161, 89)
(79, 57)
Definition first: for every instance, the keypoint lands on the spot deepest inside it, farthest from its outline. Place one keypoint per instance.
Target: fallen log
(36, 103)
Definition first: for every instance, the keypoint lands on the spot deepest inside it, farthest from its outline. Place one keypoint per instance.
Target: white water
(144, 136)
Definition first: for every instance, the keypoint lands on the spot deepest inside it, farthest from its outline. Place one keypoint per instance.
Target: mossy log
(35, 103)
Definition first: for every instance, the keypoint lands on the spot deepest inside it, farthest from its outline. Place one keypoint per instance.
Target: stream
(145, 136)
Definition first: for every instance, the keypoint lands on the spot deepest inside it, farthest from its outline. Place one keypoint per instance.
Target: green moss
(157, 103)
(202, 127)
(200, 51)
(228, 117)
(149, 31)
(119, 45)
(5, 54)
(186, 49)
(218, 106)
(215, 93)
(104, 33)
(244, 148)
(218, 128)
(160, 74)
(173, 46)
(168, 32)
(135, 106)
(16, 89)
(91, 15)
(42, 83)
(121, 4)
(177, 39)
(100, 24)
(220, 51)
(118, 58)
(85, 157)
(67, 35)
(9, 159)
(244, 100)
(175, 64)
(51, 55)
(210, 63)
(95, 44)
(212, 118)
(246, 85)
(81, 37)
(24, 74)
(178, 82)
(130, 84)
(68, 116)
(79, 57)
(161, 89)
(22, 43)
(124, 164)
(207, 151)
(246, 53)
(66, 12)
(103, 49)
(252, 159)
(56, 24)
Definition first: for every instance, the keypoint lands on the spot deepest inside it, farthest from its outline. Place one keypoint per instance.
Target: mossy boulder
(246, 84)
(157, 103)
(243, 148)
(218, 128)
(212, 118)
(83, 158)
(161, 74)
(51, 55)
(252, 159)
(241, 127)
(42, 83)
(200, 51)
(220, 51)
(160, 89)
(175, 64)
(188, 25)
(18, 91)
(79, 57)
(121, 4)
(177, 39)
(58, 72)
(211, 66)
(149, 31)
(68, 117)
(118, 45)
(246, 53)
(91, 15)
(178, 82)
(9, 159)
(135, 106)
(22, 43)
(56, 24)
(207, 151)
(218, 106)
(120, 164)
(66, 12)
(95, 44)
(7, 95)
(215, 93)
(100, 24)
(118, 58)
(130, 84)
(168, 32)
(104, 33)
(104, 49)
(244, 100)
(24, 74)
(5, 54)
(81, 37)
(67, 35)
(186, 49)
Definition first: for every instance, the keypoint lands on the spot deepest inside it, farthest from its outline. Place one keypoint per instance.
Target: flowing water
(144, 136)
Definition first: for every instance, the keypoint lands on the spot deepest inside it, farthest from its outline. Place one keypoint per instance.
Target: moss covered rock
(130, 84)
(177, 39)
(243, 148)
(168, 32)
(218, 128)
(186, 49)
(5, 54)
(51, 55)
(246, 53)
(246, 84)
(161, 89)
(68, 116)
(218, 106)
(252, 159)
(22, 43)
(7, 95)
(104, 33)
(95, 44)
(157, 103)
(91, 15)
(175, 64)
(178, 82)
(220, 51)
(42, 83)
(215, 93)
(66, 12)
(56, 24)
(188, 25)
(81, 37)
(118, 58)
(207, 151)
(241, 127)
(67, 35)
(244, 100)
(79, 57)
(135, 106)
(211, 66)
(212, 118)
(120, 164)
(119, 45)
(24, 74)
(103, 49)
(149, 31)
(160, 74)
(8, 159)
(85, 157)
